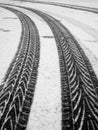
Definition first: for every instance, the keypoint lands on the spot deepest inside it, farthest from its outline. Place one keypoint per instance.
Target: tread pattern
(78, 80)
(17, 93)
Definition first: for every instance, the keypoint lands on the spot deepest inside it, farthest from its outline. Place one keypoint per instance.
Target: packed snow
(10, 30)
(46, 109)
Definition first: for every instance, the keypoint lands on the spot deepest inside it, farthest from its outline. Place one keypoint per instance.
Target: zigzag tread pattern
(16, 97)
(79, 92)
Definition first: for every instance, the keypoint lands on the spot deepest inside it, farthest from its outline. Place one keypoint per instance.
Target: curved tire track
(78, 80)
(78, 84)
(70, 6)
(17, 94)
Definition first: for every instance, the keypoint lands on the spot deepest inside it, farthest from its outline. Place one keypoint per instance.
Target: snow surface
(46, 109)
(83, 25)
(87, 3)
(9, 39)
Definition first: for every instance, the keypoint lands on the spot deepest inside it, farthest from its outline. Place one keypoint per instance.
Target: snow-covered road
(46, 108)
(10, 30)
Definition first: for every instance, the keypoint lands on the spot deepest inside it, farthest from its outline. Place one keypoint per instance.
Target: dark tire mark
(76, 7)
(70, 6)
(17, 93)
(78, 80)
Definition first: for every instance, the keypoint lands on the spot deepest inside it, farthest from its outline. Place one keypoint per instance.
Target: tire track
(78, 80)
(17, 93)
(70, 6)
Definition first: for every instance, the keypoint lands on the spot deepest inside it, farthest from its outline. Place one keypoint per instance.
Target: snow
(46, 109)
(87, 3)
(83, 25)
(9, 39)
(85, 31)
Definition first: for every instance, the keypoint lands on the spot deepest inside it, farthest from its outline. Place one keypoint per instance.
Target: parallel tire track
(78, 80)
(17, 94)
(83, 8)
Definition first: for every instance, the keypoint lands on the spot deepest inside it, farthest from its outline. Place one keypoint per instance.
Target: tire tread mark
(18, 81)
(78, 80)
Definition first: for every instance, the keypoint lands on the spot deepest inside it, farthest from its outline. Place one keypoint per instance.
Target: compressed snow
(46, 108)
(10, 29)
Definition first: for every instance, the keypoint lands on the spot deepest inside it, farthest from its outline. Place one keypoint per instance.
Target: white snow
(87, 3)
(85, 34)
(10, 29)
(83, 25)
(46, 109)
